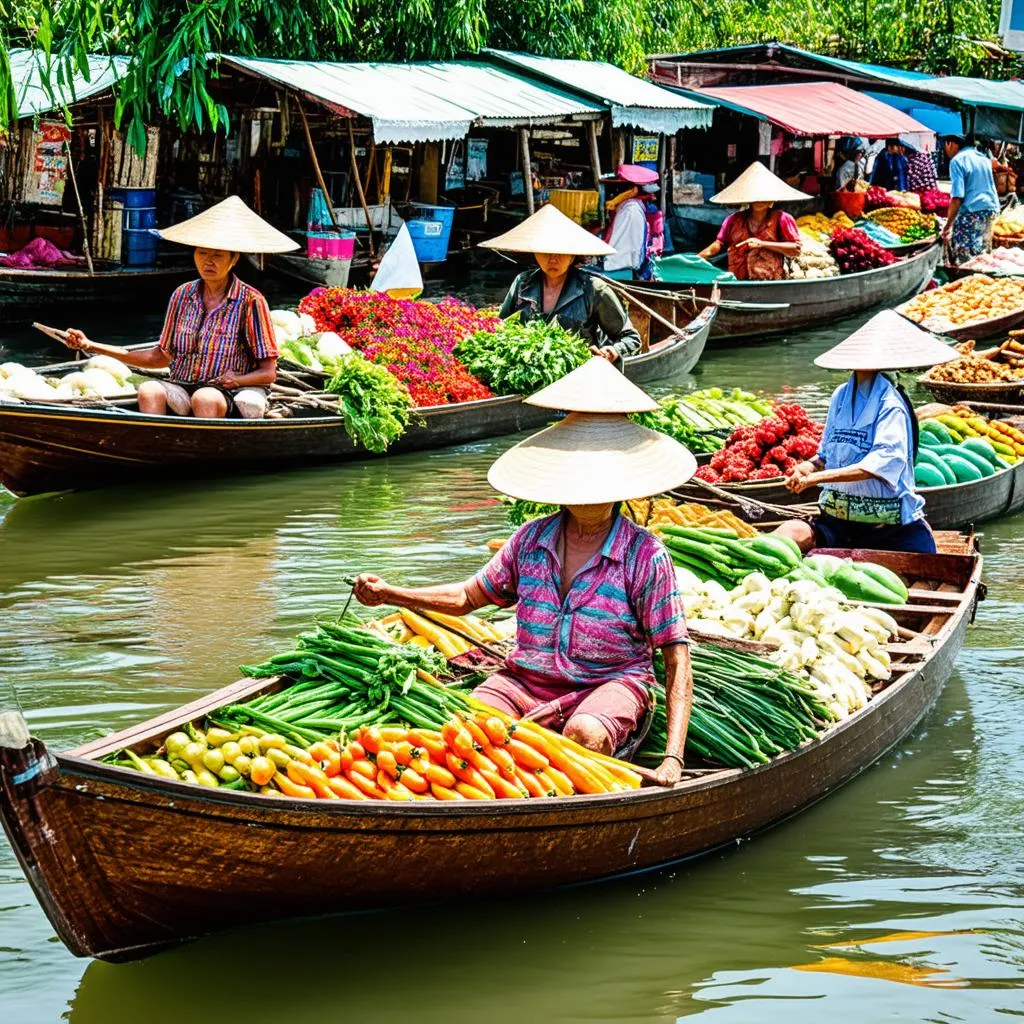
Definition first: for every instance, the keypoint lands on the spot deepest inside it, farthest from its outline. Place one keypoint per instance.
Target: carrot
(411, 779)
(367, 786)
(597, 769)
(406, 753)
(495, 729)
(560, 780)
(307, 775)
(324, 750)
(364, 768)
(550, 789)
(533, 785)
(458, 739)
(399, 792)
(499, 756)
(464, 771)
(384, 782)
(431, 742)
(290, 788)
(526, 756)
(620, 769)
(444, 793)
(341, 787)
(393, 733)
(471, 792)
(502, 787)
(386, 762)
(371, 739)
(328, 760)
(436, 775)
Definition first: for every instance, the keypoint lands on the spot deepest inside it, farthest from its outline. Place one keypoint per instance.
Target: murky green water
(116, 605)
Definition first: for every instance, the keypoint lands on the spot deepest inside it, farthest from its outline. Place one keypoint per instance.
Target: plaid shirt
(233, 338)
(622, 604)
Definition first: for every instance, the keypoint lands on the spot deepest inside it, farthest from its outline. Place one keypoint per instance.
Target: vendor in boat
(865, 462)
(757, 238)
(891, 167)
(851, 166)
(217, 341)
(595, 594)
(558, 288)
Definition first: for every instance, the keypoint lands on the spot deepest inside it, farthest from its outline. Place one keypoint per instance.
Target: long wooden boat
(314, 272)
(952, 507)
(787, 306)
(127, 864)
(47, 448)
(28, 294)
(976, 330)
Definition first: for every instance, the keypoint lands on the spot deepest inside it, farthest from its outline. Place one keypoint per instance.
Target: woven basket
(951, 393)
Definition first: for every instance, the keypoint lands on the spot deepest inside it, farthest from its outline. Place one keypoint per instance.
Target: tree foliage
(170, 39)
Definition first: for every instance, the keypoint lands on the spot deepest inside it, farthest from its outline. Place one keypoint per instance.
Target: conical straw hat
(887, 342)
(757, 185)
(596, 386)
(590, 459)
(549, 230)
(229, 225)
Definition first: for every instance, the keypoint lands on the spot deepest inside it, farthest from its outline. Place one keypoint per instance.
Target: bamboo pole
(595, 167)
(524, 150)
(384, 192)
(663, 142)
(359, 189)
(316, 163)
(81, 211)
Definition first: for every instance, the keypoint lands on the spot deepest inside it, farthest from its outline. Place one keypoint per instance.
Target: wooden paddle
(753, 509)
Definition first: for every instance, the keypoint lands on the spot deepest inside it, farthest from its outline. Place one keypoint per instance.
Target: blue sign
(1011, 24)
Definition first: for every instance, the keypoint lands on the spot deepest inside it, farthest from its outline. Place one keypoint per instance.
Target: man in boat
(758, 238)
(595, 594)
(865, 462)
(559, 289)
(973, 203)
(217, 341)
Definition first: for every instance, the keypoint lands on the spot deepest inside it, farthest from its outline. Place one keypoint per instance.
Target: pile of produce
(820, 227)
(900, 221)
(100, 377)
(375, 405)
(718, 555)
(413, 338)
(445, 633)
(1000, 261)
(877, 197)
(854, 251)
(1009, 225)
(814, 261)
(921, 176)
(883, 236)
(972, 369)
(966, 301)
(697, 420)
(745, 710)
(942, 461)
(519, 358)
(934, 200)
(654, 512)
(814, 629)
(299, 342)
(765, 451)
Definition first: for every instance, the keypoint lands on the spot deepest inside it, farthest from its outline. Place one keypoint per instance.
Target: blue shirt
(890, 171)
(971, 175)
(871, 426)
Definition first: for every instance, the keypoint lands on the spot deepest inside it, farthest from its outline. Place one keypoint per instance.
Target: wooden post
(663, 142)
(316, 163)
(524, 151)
(81, 211)
(359, 188)
(385, 178)
(595, 166)
(429, 171)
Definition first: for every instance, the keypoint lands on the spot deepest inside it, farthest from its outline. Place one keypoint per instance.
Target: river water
(900, 897)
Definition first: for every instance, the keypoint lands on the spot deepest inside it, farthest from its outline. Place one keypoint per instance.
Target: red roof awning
(817, 108)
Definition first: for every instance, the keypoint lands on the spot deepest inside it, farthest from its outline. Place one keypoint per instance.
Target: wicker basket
(951, 393)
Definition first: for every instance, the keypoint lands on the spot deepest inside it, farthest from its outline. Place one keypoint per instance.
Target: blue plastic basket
(431, 230)
(138, 247)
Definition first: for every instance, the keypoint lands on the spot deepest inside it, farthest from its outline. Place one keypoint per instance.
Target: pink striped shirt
(622, 605)
(232, 338)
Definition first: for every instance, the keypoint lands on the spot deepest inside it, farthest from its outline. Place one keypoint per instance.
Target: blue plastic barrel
(133, 197)
(138, 247)
(431, 230)
(140, 217)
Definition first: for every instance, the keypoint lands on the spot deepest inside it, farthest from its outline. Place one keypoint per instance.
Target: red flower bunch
(877, 197)
(413, 338)
(765, 451)
(934, 200)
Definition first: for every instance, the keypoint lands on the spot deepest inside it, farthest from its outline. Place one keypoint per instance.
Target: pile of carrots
(435, 629)
(481, 757)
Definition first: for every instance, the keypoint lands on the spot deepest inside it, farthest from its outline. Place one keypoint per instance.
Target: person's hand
(604, 353)
(371, 590)
(227, 381)
(800, 477)
(947, 231)
(669, 772)
(76, 339)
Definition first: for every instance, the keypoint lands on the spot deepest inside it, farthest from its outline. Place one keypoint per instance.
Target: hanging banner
(49, 165)
(476, 159)
(645, 149)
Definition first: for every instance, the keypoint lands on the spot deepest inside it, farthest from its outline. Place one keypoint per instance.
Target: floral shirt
(232, 338)
(622, 605)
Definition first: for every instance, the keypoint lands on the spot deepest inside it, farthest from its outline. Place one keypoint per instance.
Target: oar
(753, 509)
(52, 332)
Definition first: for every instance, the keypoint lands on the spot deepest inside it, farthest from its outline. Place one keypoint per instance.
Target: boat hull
(811, 303)
(46, 448)
(126, 864)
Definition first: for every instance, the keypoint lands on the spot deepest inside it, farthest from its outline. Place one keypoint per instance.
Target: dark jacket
(587, 307)
(890, 171)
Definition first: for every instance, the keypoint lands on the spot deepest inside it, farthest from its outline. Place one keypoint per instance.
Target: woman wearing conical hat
(218, 341)
(595, 594)
(758, 238)
(559, 289)
(865, 462)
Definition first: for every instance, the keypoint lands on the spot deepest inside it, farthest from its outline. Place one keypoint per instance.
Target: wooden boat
(27, 294)
(314, 272)
(952, 507)
(976, 330)
(752, 310)
(127, 864)
(46, 447)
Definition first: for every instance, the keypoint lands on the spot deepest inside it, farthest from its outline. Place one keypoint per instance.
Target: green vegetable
(931, 457)
(928, 476)
(888, 579)
(980, 462)
(859, 586)
(300, 352)
(964, 470)
(777, 547)
(826, 565)
(521, 358)
(981, 446)
(936, 429)
(375, 404)
(518, 511)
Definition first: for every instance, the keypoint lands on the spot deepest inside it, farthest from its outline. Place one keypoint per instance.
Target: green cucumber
(826, 565)
(936, 429)
(931, 457)
(928, 476)
(980, 463)
(886, 577)
(776, 547)
(859, 586)
(964, 470)
(981, 446)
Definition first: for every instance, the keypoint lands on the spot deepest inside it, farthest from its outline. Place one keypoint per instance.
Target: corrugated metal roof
(633, 101)
(817, 108)
(424, 102)
(28, 72)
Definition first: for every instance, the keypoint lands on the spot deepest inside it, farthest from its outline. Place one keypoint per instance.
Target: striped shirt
(233, 338)
(622, 604)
